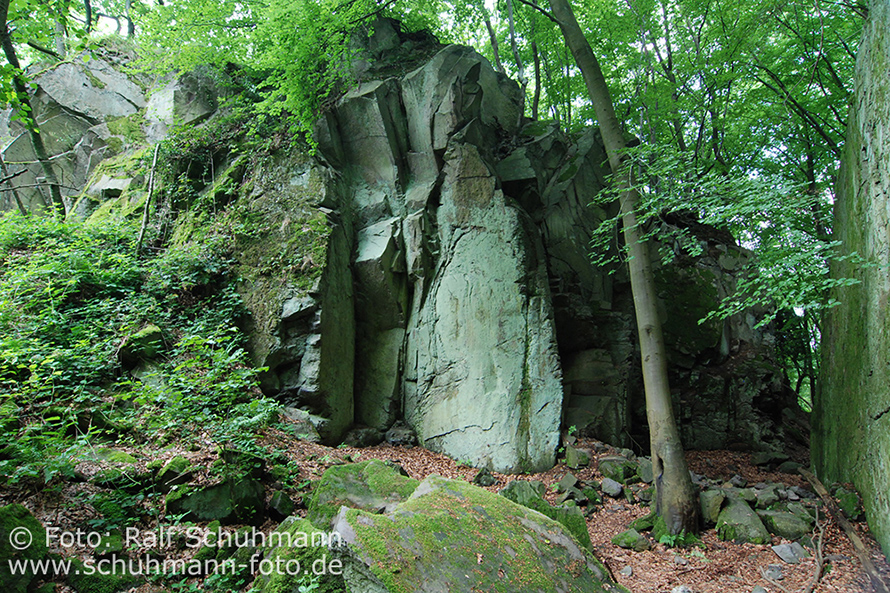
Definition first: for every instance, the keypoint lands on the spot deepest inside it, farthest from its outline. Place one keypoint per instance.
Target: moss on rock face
(296, 553)
(22, 539)
(453, 536)
(370, 485)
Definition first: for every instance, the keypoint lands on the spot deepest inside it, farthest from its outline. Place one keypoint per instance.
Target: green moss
(16, 520)
(466, 538)
(367, 485)
(301, 535)
(87, 579)
(129, 127)
(94, 80)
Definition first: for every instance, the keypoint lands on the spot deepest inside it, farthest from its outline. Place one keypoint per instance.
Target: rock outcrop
(851, 428)
(431, 265)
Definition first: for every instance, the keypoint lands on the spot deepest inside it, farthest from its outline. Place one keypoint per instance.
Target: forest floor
(714, 566)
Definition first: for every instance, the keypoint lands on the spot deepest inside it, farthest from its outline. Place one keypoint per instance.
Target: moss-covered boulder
(300, 554)
(22, 540)
(617, 468)
(370, 485)
(145, 344)
(531, 495)
(453, 536)
(784, 524)
(739, 523)
(88, 578)
(231, 501)
(632, 540)
(175, 472)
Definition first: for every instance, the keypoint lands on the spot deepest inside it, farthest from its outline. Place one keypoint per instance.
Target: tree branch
(45, 50)
(541, 10)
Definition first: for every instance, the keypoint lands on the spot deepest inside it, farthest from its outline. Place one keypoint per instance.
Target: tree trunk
(494, 46)
(33, 129)
(676, 501)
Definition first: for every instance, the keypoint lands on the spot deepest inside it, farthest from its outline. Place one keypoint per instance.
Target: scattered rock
(849, 503)
(774, 572)
(484, 478)
(617, 468)
(363, 436)
(680, 561)
(145, 344)
(790, 553)
(280, 506)
(789, 467)
(739, 523)
(517, 550)
(567, 481)
(682, 589)
(400, 434)
(766, 458)
(577, 458)
(23, 539)
(370, 485)
(632, 540)
(231, 501)
(711, 502)
(784, 524)
(531, 494)
(175, 472)
(644, 469)
(758, 589)
(612, 488)
(738, 481)
(768, 496)
(627, 571)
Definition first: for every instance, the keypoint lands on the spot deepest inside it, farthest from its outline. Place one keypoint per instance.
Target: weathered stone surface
(23, 540)
(187, 99)
(851, 413)
(711, 502)
(577, 458)
(738, 523)
(370, 485)
(612, 488)
(791, 553)
(482, 377)
(432, 542)
(632, 540)
(784, 524)
(231, 501)
(531, 495)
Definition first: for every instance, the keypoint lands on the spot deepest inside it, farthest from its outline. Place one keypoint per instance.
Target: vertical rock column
(851, 413)
(483, 381)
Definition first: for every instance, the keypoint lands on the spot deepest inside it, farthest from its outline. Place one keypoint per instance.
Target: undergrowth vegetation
(78, 309)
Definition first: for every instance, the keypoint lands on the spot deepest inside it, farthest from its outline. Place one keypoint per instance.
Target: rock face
(454, 319)
(851, 428)
(93, 110)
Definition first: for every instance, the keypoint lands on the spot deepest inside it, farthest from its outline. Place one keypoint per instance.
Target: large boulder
(371, 485)
(22, 541)
(452, 536)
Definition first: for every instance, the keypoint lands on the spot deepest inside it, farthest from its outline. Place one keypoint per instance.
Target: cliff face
(851, 421)
(432, 265)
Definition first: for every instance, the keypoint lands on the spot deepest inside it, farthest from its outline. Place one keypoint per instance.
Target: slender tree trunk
(131, 26)
(33, 129)
(494, 46)
(536, 99)
(15, 193)
(676, 501)
(88, 12)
